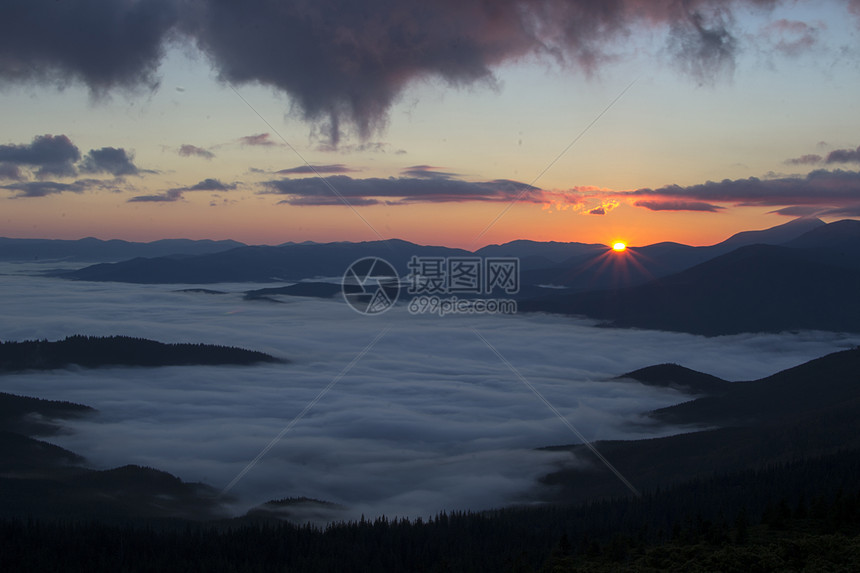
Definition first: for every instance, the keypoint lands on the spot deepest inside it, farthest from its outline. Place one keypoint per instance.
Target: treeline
(94, 352)
(787, 517)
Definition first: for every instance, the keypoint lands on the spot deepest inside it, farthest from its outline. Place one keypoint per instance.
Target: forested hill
(95, 352)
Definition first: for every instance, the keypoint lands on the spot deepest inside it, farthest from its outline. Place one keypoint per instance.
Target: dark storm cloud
(678, 206)
(820, 187)
(112, 160)
(400, 190)
(103, 43)
(50, 155)
(346, 62)
(188, 150)
(844, 156)
(343, 62)
(305, 169)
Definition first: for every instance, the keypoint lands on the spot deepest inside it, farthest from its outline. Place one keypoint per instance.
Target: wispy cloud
(176, 194)
(46, 188)
(321, 169)
(844, 156)
(259, 139)
(808, 159)
(678, 206)
(188, 150)
(400, 190)
(168, 196)
(836, 188)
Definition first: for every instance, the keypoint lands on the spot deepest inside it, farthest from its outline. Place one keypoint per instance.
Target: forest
(95, 352)
(803, 515)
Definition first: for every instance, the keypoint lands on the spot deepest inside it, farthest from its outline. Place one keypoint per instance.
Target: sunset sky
(460, 123)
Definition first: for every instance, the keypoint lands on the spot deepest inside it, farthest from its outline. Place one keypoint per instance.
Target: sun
(619, 247)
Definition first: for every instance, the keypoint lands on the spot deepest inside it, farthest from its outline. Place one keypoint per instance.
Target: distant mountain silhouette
(96, 250)
(308, 289)
(676, 376)
(95, 352)
(828, 382)
(297, 509)
(834, 235)
(774, 236)
(34, 416)
(535, 254)
(290, 263)
(754, 288)
(38, 479)
(801, 413)
(576, 266)
(21, 454)
(603, 269)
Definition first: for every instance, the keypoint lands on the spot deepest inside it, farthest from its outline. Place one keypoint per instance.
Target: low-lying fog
(429, 419)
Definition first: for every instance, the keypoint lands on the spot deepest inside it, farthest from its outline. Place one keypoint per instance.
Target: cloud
(102, 43)
(52, 155)
(9, 171)
(168, 196)
(44, 188)
(844, 156)
(188, 150)
(703, 47)
(597, 211)
(210, 185)
(260, 139)
(790, 37)
(808, 159)
(332, 168)
(798, 211)
(176, 194)
(344, 63)
(844, 211)
(427, 172)
(678, 206)
(819, 187)
(363, 147)
(428, 420)
(400, 190)
(113, 160)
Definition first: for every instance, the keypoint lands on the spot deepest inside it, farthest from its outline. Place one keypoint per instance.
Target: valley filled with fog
(429, 419)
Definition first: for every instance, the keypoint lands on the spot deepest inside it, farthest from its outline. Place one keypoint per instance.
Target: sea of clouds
(429, 419)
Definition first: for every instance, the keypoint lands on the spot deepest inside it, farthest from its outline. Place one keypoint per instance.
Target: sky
(429, 419)
(457, 123)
